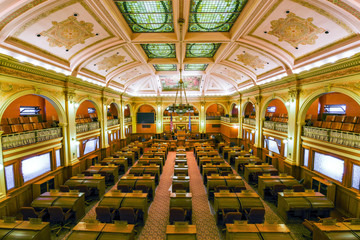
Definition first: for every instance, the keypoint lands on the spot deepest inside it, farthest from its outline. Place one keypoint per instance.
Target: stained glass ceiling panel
(214, 15)
(194, 50)
(159, 50)
(196, 67)
(165, 67)
(147, 16)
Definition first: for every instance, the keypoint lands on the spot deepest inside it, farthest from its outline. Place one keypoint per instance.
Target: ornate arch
(52, 99)
(221, 104)
(96, 105)
(316, 94)
(267, 102)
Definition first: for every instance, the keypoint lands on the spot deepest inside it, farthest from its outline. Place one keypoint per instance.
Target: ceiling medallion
(295, 30)
(251, 60)
(110, 62)
(68, 33)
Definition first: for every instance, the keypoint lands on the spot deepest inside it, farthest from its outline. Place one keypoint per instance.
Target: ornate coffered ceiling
(134, 46)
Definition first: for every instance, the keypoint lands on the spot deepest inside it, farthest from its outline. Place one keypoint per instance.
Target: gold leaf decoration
(251, 60)
(68, 33)
(110, 62)
(295, 30)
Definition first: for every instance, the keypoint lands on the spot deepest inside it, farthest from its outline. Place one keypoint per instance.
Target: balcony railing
(180, 118)
(277, 126)
(250, 121)
(349, 139)
(112, 122)
(128, 120)
(85, 127)
(25, 138)
(230, 119)
(213, 117)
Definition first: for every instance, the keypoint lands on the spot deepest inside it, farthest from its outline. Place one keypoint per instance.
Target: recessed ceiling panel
(165, 67)
(159, 50)
(171, 82)
(214, 15)
(204, 50)
(196, 67)
(147, 16)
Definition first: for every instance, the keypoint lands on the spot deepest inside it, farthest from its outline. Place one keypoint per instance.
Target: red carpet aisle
(155, 226)
(203, 219)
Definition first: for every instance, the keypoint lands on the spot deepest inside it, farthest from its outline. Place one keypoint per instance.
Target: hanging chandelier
(181, 106)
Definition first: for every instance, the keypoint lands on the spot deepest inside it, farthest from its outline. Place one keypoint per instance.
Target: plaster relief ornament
(110, 62)
(295, 30)
(250, 60)
(68, 33)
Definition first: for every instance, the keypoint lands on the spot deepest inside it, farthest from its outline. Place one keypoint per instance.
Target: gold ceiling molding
(68, 33)
(110, 62)
(251, 60)
(295, 30)
(20, 11)
(57, 8)
(325, 14)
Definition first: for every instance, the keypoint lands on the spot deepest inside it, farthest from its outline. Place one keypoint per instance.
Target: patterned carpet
(155, 226)
(202, 217)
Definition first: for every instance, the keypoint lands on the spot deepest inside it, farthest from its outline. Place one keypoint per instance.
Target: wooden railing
(25, 138)
(277, 126)
(349, 139)
(85, 127)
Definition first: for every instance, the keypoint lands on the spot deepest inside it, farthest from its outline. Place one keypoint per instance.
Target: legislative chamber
(180, 119)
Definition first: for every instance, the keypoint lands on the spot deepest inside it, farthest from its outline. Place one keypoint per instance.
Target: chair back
(225, 173)
(123, 188)
(28, 212)
(278, 188)
(299, 188)
(239, 188)
(142, 187)
(103, 214)
(177, 214)
(64, 188)
(127, 214)
(221, 187)
(56, 214)
(178, 186)
(231, 216)
(256, 215)
(83, 188)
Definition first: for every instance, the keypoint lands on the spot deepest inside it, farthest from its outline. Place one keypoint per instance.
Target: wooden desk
(132, 181)
(115, 200)
(121, 162)
(114, 171)
(210, 167)
(157, 161)
(103, 231)
(183, 180)
(266, 182)
(258, 169)
(240, 162)
(274, 231)
(230, 181)
(146, 169)
(75, 202)
(183, 169)
(233, 154)
(242, 231)
(180, 232)
(113, 231)
(42, 229)
(90, 181)
(293, 203)
(182, 200)
(334, 232)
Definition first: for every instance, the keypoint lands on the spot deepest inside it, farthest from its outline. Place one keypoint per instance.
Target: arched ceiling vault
(227, 45)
